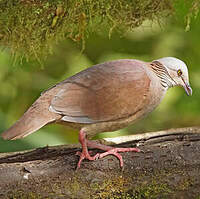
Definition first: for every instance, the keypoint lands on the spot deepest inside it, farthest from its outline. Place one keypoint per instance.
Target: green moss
(22, 195)
(153, 190)
(114, 187)
(31, 27)
(193, 13)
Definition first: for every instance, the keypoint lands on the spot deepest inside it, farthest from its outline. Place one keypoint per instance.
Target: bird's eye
(179, 72)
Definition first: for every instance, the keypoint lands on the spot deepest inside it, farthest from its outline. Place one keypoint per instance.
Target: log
(168, 166)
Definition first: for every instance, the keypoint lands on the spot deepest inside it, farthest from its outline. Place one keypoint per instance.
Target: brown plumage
(105, 97)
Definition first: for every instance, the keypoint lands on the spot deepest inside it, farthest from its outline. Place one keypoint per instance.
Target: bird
(102, 98)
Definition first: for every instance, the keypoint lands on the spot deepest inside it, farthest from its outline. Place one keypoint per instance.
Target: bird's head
(178, 71)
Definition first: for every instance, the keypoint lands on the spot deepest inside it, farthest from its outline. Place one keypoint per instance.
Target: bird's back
(104, 92)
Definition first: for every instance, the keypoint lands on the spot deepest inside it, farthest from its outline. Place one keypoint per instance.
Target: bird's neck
(163, 74)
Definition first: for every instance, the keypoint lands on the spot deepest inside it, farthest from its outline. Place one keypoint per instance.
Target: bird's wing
(104, 92)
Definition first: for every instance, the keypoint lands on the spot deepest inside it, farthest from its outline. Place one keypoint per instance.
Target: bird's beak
(187, 88)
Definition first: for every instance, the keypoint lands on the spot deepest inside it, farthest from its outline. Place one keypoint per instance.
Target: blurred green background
(21, 84)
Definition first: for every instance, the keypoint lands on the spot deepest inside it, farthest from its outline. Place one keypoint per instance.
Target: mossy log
(167, 167)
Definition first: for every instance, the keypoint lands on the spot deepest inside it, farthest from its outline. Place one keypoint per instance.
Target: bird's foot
(109, 150)
(115, 152)
(85, 155)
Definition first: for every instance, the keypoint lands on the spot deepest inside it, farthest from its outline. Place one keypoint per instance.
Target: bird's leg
(84, 154)
(111, 150)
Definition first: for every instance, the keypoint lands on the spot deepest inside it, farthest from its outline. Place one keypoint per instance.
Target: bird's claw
(86, 155)
(115, 152)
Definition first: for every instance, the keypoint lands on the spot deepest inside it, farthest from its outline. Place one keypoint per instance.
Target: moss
(114, 187)
(193, 13)
(119, 188)
(22, 195)
(31, 27)
(153, 190)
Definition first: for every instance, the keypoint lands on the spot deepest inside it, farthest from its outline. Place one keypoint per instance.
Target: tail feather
(23, 127)
(27, 124)
(33, 119)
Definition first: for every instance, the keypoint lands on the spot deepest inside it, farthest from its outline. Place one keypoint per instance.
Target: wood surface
(167, 167)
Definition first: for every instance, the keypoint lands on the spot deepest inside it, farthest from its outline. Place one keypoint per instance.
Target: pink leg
(109, 150)
(84, 154)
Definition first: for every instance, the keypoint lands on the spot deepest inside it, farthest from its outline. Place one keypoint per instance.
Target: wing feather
(104, 92)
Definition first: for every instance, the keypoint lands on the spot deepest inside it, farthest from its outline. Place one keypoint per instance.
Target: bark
(167, 167)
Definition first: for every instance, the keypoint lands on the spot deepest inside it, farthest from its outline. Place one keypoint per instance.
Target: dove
(103, 98)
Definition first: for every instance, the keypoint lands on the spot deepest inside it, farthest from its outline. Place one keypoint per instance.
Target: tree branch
(168, 166)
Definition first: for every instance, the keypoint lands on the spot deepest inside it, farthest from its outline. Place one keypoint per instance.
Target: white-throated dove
(104, 97)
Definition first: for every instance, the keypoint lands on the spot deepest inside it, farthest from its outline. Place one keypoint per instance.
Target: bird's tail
(26, 125)
(33, 119)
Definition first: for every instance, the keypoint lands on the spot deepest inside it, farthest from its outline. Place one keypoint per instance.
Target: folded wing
(105, 92)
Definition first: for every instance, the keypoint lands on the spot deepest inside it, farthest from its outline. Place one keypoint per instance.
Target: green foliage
(31, 27)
